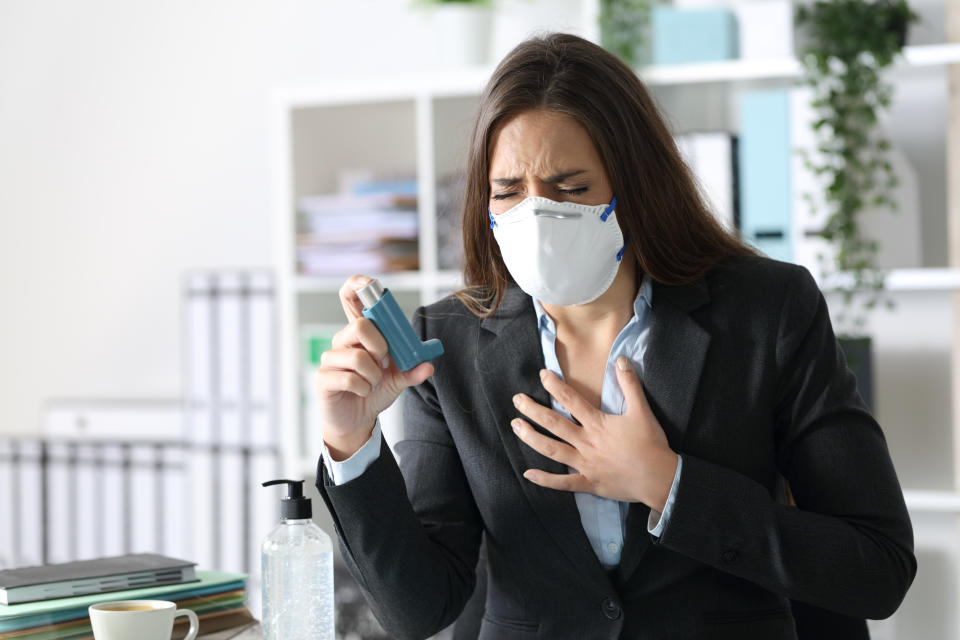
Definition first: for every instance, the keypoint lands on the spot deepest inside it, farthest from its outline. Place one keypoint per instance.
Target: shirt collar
(644, 296)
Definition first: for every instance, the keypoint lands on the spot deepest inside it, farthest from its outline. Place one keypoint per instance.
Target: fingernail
(528, 475)
(543, 374)
(385, 363)
(516, 400)
(516, 426)
(622, 363)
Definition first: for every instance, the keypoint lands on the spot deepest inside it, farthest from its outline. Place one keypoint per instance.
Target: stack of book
(371, 231)
(50, 602)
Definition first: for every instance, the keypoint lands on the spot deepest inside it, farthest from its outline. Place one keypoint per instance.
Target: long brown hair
(671, 233)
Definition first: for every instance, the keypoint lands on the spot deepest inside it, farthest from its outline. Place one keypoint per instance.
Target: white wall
(135, 144)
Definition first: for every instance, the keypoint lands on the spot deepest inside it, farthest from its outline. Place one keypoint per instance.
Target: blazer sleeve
(410, 532)
(848, 545)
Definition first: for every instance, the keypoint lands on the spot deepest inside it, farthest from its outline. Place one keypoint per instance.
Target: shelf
(920, 279)
(398, 281)
(929, 279)
(784, 68)
(932, 501)
(469, 81)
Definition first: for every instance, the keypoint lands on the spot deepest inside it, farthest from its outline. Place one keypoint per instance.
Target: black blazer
(744, 373)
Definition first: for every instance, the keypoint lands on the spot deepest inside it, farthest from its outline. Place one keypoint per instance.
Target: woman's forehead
(542, 142)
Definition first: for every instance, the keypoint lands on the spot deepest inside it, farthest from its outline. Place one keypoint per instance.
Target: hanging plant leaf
(848, 45)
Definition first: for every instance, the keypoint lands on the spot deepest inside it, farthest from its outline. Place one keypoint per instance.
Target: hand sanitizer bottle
(297, 578)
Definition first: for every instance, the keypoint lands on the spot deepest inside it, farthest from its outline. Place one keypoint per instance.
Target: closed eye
(572, 192)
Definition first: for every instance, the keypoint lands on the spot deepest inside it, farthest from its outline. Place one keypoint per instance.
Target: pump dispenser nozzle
(294, 506)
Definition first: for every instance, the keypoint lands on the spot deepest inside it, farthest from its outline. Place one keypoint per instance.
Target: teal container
(693, 35)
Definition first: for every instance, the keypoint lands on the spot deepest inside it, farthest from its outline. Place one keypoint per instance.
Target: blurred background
(185, 185)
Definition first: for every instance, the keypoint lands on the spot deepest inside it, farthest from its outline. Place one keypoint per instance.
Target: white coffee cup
(140, 619)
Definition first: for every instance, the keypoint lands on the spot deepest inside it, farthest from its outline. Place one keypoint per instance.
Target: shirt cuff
(354, 466)
(657, 521)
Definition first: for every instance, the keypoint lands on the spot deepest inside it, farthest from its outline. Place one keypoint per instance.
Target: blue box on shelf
(693, 35)
(764, 156)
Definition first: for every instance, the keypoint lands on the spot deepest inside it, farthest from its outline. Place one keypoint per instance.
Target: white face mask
(561, 253)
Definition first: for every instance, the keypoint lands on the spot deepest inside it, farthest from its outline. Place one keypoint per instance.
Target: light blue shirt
(603, 519)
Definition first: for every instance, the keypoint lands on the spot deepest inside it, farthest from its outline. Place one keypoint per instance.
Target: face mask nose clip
(560, 215)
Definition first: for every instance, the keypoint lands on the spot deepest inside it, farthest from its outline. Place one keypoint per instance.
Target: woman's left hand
(622, 457)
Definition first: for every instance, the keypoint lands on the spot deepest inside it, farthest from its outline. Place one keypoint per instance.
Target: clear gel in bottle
(297, 573)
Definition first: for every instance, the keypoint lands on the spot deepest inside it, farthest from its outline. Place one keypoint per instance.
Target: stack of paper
(216, 597)
(357, 232)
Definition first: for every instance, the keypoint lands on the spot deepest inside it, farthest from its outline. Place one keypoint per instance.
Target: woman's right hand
(357, 379)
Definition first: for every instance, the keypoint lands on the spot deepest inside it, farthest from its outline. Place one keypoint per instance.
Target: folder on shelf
(712, 158)
(230, 380)
(764, 156)
(21, 500)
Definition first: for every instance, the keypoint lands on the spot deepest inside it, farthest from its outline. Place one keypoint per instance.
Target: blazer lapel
(676, 349)
(509, 361)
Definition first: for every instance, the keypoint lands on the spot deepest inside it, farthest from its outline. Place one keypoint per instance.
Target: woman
(624, 385)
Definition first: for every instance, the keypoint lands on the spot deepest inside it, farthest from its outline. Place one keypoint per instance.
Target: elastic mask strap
(606, 212)
(623, 248)
(493, 222)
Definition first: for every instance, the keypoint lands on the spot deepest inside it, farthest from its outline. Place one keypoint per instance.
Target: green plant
(849, 43)
(625, 29)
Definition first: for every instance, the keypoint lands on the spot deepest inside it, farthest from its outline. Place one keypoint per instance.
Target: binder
(144, 479)
(230, 391)
(764, 157)
(8, 516)
(61, 501)
(28, 503)
(112, 486)
(87, 532)
(176, 526)
(712, 158)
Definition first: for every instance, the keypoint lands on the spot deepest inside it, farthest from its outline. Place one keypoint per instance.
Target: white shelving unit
(419, 123)
(932, 501)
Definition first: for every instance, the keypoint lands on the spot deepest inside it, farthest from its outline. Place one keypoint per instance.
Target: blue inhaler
(403, 344)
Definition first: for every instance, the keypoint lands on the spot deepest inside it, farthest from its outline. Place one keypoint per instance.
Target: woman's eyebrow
(560, 177)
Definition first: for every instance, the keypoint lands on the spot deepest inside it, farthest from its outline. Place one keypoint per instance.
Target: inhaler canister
(403, 344)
